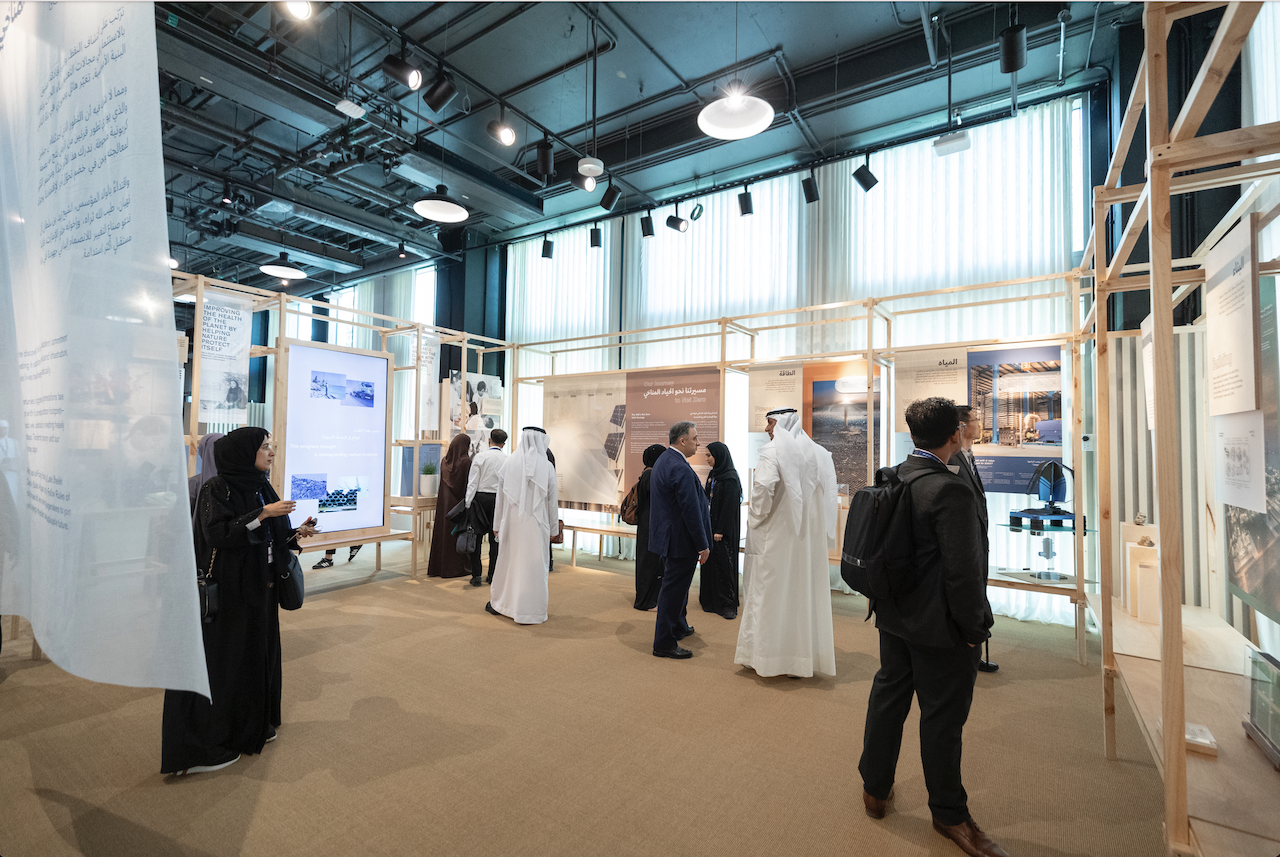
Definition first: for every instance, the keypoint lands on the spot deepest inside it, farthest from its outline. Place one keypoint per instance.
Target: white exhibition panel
(102, 560)
(336, 437)
(1231, 307)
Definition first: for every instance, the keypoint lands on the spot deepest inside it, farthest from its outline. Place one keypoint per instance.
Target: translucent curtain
(725, 264)
(574, 293)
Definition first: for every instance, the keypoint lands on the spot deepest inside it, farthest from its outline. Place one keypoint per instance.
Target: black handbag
(208, 591)
(468, 541)
(291, 588)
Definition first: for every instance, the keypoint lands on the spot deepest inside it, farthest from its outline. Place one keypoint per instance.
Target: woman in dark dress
(648, 564)
(445, 560)
(718, 592)
(242, 529)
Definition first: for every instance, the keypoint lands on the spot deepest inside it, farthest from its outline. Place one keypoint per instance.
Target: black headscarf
(723, 472)
(456, 465)
(235, 455)
(652, 454)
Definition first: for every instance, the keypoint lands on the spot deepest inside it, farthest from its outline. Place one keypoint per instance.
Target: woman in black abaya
(648, 564)
(718, 592)
(242, 528)
(445, 561)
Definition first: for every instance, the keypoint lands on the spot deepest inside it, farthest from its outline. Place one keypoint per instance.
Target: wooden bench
(616, 531)
(320, 543)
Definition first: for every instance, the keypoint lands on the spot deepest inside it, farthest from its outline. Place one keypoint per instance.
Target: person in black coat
(718, 592)
(930, 636)
(648, 563)
(680, 533)
(242, 532)
(967, 469)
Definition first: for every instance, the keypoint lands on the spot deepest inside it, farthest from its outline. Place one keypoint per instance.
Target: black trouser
(673, 601)
(487, 501)
(942, 680)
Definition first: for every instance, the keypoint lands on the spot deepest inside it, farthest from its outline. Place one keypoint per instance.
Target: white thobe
(786, 589)
(519, 587)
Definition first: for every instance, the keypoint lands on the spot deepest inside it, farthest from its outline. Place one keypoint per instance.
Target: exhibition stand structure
(334, 435)
(618, 420)
(1192, 666)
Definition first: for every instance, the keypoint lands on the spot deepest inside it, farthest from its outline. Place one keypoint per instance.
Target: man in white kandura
(786, 581)
(527, 507)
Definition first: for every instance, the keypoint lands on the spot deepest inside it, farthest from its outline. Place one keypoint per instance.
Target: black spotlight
(499, 129)
(546, 158)
(611, 195)
(400, 250)
(863, 176)
(646, 225)
(1013, 49)
(597, 237)
(581, 182)
(548, 247)
(678, 223)
(226, 193)
(441, 92)
(744, 203)
(810, 188)
(402, 71)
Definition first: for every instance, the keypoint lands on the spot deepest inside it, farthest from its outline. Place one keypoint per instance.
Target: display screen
(336, 436)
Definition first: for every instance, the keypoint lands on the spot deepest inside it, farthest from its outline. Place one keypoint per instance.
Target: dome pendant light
(440, 207)
(737, 115)
(283, 269)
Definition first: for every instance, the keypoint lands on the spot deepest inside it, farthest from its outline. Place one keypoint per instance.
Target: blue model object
(1049, 484)
(1049, 431)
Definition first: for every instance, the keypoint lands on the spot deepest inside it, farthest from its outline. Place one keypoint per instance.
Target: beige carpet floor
(417, 724)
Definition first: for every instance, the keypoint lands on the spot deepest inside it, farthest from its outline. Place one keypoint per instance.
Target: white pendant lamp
(283, 268)
(737, 115)
(441, 207)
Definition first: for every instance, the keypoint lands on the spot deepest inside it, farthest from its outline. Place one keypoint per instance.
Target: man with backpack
(930, 631)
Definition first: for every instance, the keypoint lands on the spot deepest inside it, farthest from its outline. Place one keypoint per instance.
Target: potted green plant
(429, 480)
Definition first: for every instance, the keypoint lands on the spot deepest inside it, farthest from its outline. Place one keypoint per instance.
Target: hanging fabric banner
(429, 385)
(224, 359)
(95, 530)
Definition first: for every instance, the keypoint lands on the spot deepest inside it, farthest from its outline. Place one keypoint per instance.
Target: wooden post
(724, 357)
(1102, 443)
(871, 401)
(1169, 520)
(1077, 462)
(415, 477)
(279, 397)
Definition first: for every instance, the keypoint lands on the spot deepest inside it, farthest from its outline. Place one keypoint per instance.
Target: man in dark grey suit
(967, 469)
(929, 637)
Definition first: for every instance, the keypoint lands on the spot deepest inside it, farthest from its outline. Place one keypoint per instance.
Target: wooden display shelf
(1233, 800)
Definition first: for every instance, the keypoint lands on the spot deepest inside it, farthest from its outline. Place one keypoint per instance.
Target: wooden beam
(1132, 232)
(1229, 39)
(1175, 11)
(1132, 113)
(1221, 148)
(1165, 431)
(1191, 278)
(1238, 210)
(1195, 182)
(1102, 457)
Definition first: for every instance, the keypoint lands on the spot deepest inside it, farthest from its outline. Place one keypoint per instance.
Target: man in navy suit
(680, 533)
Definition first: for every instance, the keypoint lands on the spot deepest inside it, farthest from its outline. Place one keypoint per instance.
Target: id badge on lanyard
(270, 541)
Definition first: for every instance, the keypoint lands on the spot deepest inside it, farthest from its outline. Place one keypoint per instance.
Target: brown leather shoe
(876, 808)
(970, 838)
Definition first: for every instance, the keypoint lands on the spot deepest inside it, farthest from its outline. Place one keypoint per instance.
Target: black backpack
(879, 550)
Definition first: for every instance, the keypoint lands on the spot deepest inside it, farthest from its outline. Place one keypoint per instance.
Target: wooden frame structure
(285, 305)
(1171, 148)
(873, 319)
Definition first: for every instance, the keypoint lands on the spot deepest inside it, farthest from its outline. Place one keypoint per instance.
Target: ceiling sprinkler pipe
(928, 35)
